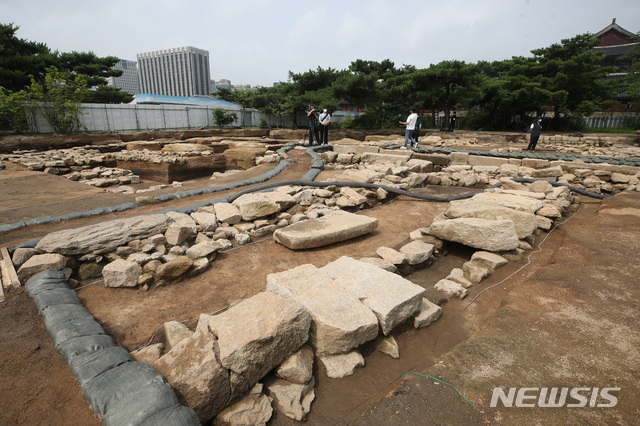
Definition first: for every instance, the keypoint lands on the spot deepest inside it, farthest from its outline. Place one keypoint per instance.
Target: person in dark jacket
(314, 125)
(452, 121)
(536, 129)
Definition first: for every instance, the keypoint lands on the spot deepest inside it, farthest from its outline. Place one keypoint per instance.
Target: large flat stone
(259, 333)
(399, 157)
(332, 228)
(105, 236)
(392, 298)
(339, 321)
(511, 201)
(524, 221)
(490, 235)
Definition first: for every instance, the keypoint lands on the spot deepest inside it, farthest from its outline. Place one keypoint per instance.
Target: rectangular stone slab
(259, 333)
(333, 228)
(105, 236)
(392, 299)
(339, 322)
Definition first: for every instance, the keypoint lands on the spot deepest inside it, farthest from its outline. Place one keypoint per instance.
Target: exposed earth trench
(568, 318)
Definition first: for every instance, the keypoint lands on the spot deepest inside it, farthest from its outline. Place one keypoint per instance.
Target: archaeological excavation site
(242, 277)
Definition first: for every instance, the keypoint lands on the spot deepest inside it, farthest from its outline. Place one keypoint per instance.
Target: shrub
(223, 118)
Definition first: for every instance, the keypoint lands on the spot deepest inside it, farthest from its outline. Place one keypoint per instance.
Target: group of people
(319, 128)
(318, 125)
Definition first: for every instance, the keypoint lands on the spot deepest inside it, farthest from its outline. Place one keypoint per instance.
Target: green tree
(632, 80)
(223, 118)
(445, 85)
(375, 86)
(107, 95)
(244, 98)
(96, 70)
(21, 59)
(59, 99)
(315, 88)
(572, 74)
(16, 111)
(279, 101)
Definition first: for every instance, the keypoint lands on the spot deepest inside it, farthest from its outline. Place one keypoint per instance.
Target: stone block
(491, 235)
(194, 370)
(121, 273)
(392, 298)
(339, 321)
(254, 206)
(334, 227)
(429, 313)
(476, 271)
(480, 160)
(451, 288)
(39, 263)
(227, 213)
(417, 252)
(298, 367)
(103, 237)
(490, 259)
(392, 256)
(259, 333)
(291, 399)
(339, 366)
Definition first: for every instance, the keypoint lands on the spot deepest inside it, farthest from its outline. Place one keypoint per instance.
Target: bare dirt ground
(567, 319)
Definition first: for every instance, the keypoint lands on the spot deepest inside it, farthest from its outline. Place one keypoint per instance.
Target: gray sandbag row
(120, 390)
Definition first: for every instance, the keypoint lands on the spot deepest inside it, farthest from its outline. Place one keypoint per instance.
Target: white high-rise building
(128, 81)
(183, 71)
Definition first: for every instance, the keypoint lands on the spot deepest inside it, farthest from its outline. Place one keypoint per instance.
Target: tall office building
(128, 81)
(183, 71)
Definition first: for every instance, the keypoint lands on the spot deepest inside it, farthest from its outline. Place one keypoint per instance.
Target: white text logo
(555, 397)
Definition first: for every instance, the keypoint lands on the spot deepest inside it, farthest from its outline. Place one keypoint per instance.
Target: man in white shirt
(325, 119)
(411, 124)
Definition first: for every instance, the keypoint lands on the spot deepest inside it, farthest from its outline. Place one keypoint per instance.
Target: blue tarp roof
(148, 98)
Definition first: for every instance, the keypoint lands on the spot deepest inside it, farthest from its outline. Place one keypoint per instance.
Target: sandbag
(89, 365)
(64, 331)
(109, 388)
(57, 296)
(63, 313)
(179, 415)
(81, 345)
(46, 280)
(135, 408)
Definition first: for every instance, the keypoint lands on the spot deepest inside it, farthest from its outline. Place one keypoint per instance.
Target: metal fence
(141, 117)
(611, 121)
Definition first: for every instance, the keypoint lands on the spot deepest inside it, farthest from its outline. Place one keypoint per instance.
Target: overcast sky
(258, 42)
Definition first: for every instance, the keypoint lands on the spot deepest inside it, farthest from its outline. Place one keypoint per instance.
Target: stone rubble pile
(85, 165)
(156, 249)
(406, 170)
(305, 313)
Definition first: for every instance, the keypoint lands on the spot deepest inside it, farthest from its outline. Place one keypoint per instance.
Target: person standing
(536, 129)
(325, 119)
(452, 121)
(314, 124)
(411, 125)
